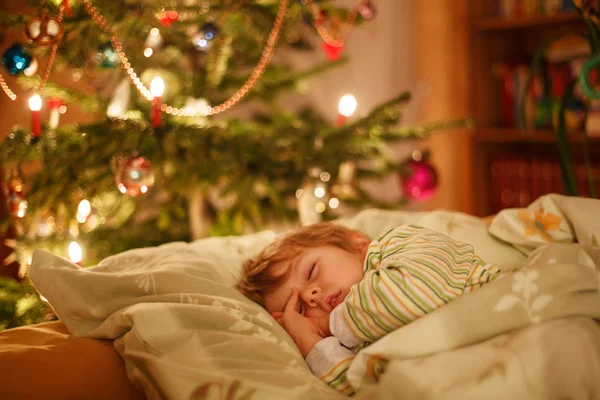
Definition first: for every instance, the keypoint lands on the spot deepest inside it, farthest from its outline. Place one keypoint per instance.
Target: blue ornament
(107, 57)
(15, 59)
(203, 40)
(210, 30)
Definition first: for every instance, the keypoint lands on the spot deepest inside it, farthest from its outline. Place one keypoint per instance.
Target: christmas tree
(189, 137)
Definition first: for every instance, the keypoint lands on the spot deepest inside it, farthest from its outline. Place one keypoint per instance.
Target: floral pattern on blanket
(545, 221)
(250, 326)
(524, 290)
(539, 223)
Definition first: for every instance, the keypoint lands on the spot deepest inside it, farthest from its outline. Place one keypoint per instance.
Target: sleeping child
(335, 291)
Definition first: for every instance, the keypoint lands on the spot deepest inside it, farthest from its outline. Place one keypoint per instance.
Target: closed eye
(311, 271)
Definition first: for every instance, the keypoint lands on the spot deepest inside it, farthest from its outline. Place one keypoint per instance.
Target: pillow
(182, 329)
(45, 362)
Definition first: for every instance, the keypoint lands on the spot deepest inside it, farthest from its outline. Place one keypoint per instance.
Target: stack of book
(561, 65)
(530, 8)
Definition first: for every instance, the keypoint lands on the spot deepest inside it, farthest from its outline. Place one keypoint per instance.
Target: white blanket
(184, 333)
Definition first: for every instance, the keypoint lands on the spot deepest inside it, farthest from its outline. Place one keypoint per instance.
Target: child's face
(323, 276)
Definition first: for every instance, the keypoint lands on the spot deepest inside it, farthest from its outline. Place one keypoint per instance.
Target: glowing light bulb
(35, 102)
(157, 86)
(347, 105)
(83, 211)
(75, 253)
(320, 192)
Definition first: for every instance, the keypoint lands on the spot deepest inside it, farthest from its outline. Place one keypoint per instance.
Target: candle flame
(157, 86)
(75, 252)
(347, 105)
(35, 102)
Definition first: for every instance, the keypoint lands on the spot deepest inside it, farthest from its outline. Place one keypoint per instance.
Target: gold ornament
(44, 30)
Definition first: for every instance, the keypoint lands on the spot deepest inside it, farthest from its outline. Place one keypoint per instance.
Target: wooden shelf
(496, 24)
(501, 135)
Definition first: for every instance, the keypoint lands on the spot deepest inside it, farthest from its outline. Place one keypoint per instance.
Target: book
(516, 180)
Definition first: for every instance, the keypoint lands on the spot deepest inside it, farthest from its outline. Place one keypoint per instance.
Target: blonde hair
(261, 275)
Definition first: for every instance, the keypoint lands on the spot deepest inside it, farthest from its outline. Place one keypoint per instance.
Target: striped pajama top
(408, 272)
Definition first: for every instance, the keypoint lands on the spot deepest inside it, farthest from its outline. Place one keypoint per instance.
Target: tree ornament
(107, 57)
(319, 17)
(44, 30)
(46, 225)
(17, 205)
(345, 187)
(420, 180)
(166, 18)
(15, 197)
(32, 69)
(204, 39)
(119, 102)
(366, 9)
(311, 203)
(15, 59)
(332, 52)
(313, 197)
(134, 175)
(65, 3)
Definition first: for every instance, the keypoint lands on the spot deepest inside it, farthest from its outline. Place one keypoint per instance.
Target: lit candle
(83, 211)
(346, 108)
(35, 105)
(54, 104)
(157, 88)
(75, 253)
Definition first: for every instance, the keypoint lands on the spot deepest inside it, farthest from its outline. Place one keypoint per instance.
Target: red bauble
(134, 175)
(166, 18)
(420, 181)
(332, 52)
(320, 17)
(54, 102)
(367, 10)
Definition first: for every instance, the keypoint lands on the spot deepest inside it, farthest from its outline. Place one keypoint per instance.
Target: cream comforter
(184, 333)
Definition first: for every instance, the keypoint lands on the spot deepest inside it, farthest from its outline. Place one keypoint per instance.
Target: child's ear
(360, 241)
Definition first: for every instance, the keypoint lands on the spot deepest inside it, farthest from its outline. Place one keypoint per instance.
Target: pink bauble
(420, 181)
(134, 175)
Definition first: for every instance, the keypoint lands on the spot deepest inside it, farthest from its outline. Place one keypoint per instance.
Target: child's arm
(411, 272)
(329, 360)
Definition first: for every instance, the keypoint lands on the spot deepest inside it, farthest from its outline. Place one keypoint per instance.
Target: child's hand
(303, 330)
(322, 324)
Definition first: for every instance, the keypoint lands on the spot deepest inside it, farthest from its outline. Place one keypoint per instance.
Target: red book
(506, 93)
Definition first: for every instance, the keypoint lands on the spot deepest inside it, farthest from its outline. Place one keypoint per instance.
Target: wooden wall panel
(442, 51)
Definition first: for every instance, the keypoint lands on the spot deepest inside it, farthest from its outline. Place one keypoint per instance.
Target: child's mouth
(333, 300)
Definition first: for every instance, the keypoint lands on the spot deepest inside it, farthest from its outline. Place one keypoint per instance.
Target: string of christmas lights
(116, 43)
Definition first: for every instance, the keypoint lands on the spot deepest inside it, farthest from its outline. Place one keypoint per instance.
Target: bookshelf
(543, 136)
(498, 24)
(494, 40)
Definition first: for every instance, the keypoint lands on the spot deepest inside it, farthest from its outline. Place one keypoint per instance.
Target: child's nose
(310, 295)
